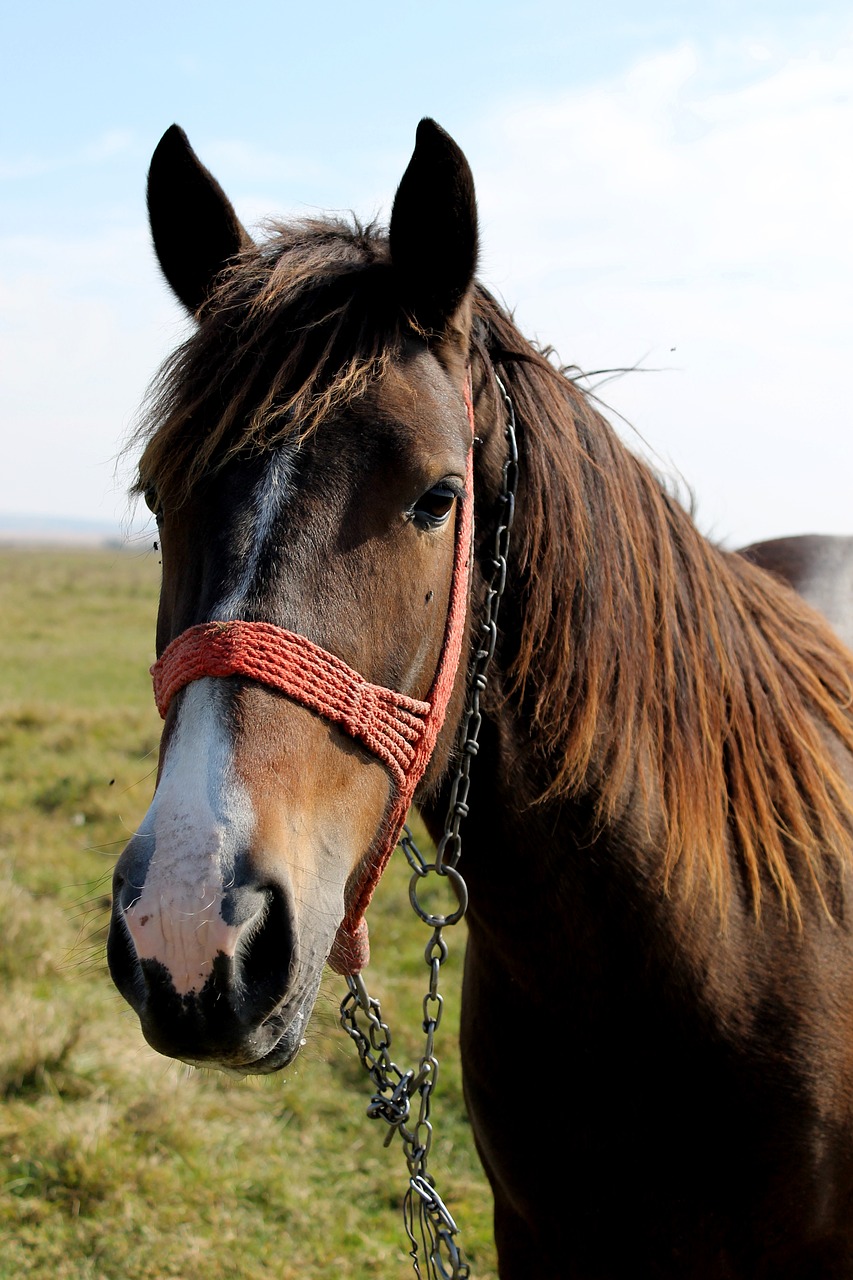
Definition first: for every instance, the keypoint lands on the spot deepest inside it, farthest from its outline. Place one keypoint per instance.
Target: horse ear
(433, 233)
(193, 223)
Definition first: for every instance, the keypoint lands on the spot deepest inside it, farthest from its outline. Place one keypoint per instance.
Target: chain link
(431, 1230)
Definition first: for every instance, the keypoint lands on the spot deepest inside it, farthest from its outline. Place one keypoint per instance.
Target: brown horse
(657, 1030)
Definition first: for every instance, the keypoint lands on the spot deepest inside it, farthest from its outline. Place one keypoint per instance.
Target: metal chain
(429, 1225)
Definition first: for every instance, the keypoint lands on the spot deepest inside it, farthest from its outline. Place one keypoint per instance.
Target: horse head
(309, 466)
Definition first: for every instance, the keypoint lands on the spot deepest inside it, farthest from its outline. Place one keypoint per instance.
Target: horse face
(228, 898)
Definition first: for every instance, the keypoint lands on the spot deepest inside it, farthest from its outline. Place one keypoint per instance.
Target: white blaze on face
(271, 492)
(201, 815)
(199, 818)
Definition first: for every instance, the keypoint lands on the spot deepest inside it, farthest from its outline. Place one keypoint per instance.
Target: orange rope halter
(399, 730)
(390, 724)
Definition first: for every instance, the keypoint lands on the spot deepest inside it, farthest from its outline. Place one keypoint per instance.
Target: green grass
(115, 1162)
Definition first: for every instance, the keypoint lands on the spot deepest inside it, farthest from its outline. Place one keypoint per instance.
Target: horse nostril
(265, 954)
(123, 894)
(122, 959)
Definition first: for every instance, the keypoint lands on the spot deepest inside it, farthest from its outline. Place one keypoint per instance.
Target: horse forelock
(296, 329)
(661, 671)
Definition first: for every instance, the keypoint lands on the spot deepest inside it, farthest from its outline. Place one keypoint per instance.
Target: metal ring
(459, 887)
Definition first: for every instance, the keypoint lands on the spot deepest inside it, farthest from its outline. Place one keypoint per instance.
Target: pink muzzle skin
(399, 730)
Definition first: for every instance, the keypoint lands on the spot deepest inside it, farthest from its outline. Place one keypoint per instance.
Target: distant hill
(27, 530)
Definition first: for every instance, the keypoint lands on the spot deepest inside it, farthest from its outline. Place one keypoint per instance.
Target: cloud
(98, 151)
(693, 212)
(84, 323)
(672, 215)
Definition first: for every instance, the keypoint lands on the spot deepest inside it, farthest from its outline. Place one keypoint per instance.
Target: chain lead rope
(431, 1230)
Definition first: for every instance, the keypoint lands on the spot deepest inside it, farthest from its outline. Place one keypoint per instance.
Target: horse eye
(433, 508)
(152, 500)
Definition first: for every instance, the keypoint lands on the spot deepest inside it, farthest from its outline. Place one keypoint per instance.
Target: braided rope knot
(389, 724)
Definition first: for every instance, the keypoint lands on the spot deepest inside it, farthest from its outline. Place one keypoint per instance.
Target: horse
(659, 838)
(819, 567)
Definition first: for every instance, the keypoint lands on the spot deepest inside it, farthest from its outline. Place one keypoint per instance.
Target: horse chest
(689, 1111)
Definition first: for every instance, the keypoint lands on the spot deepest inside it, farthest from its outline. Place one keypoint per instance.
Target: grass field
(115, 1162)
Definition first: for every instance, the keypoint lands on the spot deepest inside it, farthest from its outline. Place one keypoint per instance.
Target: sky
(665, 188)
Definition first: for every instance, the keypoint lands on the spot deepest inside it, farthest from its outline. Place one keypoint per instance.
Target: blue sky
(667, 184)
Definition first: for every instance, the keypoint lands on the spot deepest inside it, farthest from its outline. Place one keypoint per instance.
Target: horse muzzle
(216, 983)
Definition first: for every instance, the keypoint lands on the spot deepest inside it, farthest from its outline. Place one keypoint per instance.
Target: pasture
(116, 1162)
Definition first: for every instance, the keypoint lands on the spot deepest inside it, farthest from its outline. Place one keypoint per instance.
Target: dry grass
(115, 1162)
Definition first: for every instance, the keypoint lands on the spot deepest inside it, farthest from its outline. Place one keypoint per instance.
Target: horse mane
(652, 659)
(649, 658)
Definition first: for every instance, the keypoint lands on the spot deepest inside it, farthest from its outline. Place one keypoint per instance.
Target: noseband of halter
(399, 730)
